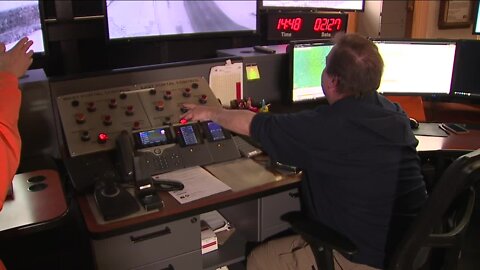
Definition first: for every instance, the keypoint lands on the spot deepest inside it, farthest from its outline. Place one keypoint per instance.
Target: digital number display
(216, 131)
(288, 26)
(188, 135)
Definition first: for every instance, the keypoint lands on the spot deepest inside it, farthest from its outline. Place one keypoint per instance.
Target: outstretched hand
(200, 112)
(18, 59)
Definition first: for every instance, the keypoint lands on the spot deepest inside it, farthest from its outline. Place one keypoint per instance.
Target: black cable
(335, 258)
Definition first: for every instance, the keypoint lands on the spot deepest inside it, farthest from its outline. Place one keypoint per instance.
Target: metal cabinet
(157, 245)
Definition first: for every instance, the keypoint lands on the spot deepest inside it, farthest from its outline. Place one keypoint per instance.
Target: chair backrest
(452, 197)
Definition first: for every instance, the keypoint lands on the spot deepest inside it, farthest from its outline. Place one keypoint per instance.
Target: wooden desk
(174, 210)
(114, 240)
(38, 203)
(464, 142)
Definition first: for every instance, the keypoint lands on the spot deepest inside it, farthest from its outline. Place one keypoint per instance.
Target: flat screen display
(307, 62)
(416, 68)
(466, 79)
(136, 19)
(154, 137)
(216, 131)
(334, 5)
(21, 19)
(188, 135)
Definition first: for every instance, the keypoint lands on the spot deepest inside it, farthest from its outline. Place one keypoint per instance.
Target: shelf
(233, 251)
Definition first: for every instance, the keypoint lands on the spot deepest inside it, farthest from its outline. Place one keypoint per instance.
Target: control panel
(93, 120)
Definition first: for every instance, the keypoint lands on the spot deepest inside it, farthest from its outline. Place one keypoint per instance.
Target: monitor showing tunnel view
(21, 19)
(175, 18)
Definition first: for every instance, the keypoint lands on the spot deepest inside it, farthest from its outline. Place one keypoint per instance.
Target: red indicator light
(183, 121)
(102, 137)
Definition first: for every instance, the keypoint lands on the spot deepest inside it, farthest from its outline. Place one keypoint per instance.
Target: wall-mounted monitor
(476, 21)
(466, 79)
(417, 67)
(337, 5)
(175, 19)
(22, 19)
(307, 60)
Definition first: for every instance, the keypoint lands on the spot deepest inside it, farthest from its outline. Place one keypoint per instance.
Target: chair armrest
(451, 238)
(322, 235)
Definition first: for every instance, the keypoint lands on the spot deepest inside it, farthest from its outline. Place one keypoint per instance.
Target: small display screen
(216, 131)
(188, 134)
(153, 137)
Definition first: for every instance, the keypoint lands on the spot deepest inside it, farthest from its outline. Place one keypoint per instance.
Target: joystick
(113, 200)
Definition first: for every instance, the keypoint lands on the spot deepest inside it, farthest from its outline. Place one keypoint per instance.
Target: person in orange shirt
(13, 64)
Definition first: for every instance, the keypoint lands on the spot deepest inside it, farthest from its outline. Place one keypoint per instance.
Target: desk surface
(174, 210)
(467, 142)
(38, 203)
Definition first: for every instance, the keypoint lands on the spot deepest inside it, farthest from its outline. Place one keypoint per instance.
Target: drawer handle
(169, 267)
(136, 239)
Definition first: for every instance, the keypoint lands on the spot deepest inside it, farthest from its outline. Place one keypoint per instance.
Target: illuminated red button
(159, 105)
(167, 95)
(102, 138)
(113, 103)
(80, 118)
(129, 110)
(183, 121)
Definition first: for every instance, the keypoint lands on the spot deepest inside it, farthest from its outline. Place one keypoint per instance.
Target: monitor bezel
(288, 95)
(462, 94)
(421, 41)
(181, 36)
(476, 19)
(264, 8)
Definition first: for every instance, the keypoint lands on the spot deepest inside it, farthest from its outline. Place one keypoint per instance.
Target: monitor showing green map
(307, 62)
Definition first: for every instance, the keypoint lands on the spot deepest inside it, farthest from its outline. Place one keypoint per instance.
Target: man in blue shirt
(358, 154)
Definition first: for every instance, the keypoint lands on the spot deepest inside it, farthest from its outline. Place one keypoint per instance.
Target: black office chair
(440, 225)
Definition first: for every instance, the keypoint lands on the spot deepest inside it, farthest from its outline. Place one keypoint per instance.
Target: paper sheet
(226, 82)
(197, 181)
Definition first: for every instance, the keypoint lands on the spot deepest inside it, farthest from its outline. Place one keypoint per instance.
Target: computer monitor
(466, 79)
(419, 68)
(175, 19)
(307, 61)
(346, 5)
(476, 21)
(20, 19)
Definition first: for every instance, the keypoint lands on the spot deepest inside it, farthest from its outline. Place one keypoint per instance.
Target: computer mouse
(413, 123)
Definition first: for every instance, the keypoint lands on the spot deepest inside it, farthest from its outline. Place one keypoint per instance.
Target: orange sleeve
(10, 143)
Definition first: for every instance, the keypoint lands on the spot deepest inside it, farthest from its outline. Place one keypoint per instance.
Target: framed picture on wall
(455, 14)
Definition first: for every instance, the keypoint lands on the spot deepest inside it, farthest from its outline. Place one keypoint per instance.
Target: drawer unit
(148, 245)
(272, 208)
(187, 261)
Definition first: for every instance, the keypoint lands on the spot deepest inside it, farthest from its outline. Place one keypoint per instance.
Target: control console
(118, 138)
(93, 120)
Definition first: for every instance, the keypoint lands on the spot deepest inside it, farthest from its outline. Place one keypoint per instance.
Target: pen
(443, 128)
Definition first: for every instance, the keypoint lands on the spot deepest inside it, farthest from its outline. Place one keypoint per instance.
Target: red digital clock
(305, 25)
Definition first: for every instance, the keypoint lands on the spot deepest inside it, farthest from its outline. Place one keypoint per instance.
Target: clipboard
(226, 81)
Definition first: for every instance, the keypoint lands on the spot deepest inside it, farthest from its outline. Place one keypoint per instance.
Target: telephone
(140, 154)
